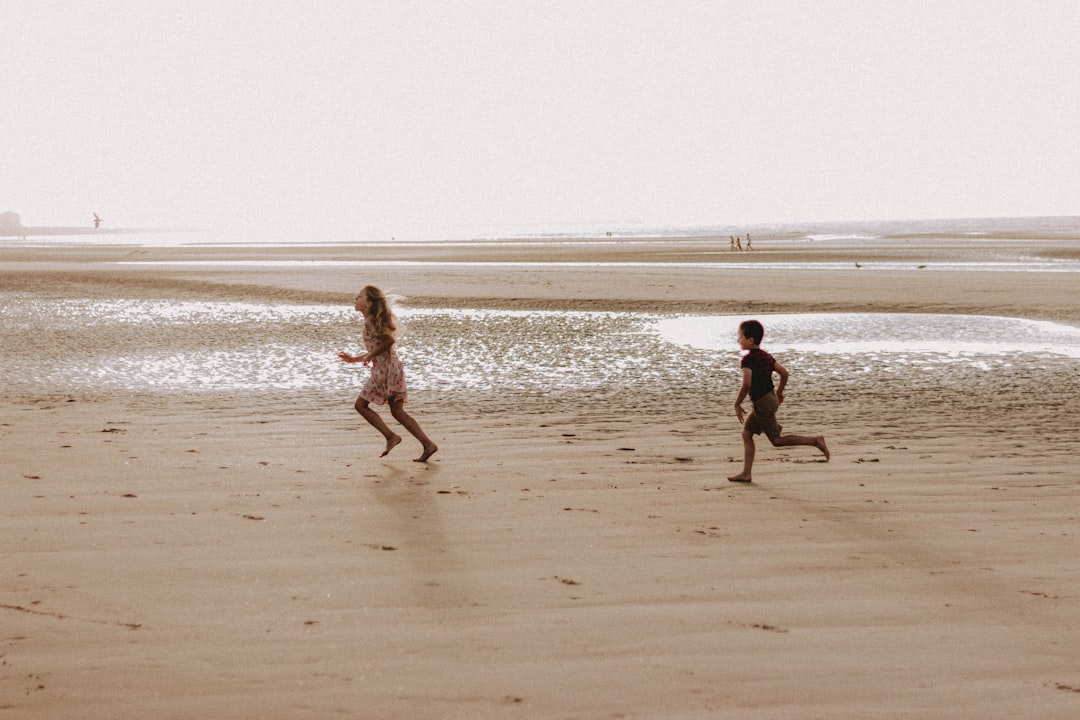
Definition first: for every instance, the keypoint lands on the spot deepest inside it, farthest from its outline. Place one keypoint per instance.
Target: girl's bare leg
(397, 409)
(374, 419)
(748, 458)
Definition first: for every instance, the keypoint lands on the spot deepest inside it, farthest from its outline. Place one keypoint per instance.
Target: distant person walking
(749, 246)
(386, 384)
(758, 367)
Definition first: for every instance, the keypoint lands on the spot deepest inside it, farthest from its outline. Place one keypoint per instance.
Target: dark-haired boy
(758, 367)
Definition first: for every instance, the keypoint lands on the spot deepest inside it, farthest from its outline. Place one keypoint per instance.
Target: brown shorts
(763, 418)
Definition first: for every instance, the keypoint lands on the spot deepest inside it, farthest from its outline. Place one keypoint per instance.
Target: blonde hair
(379, 317)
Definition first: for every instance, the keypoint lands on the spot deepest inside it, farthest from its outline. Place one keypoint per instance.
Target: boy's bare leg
(748, 458)
(820, 445)
(790, 440)
(397, 409)
(373, 418)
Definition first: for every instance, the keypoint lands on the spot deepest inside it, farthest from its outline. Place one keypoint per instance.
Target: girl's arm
(383, 343)
(783, 373)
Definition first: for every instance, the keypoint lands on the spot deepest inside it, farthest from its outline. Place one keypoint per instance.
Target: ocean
(1064, 228)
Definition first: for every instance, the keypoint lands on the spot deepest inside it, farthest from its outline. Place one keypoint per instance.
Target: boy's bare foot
(391, 443)
(740, 478)
(429, 450)
(819, 443)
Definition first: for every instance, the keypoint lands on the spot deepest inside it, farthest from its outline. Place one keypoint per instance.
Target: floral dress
(387, 379)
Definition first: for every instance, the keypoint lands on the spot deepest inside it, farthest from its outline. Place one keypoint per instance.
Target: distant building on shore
(10, 223)
(11, 226)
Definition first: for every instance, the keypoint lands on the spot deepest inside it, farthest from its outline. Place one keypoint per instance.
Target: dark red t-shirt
(761, 366)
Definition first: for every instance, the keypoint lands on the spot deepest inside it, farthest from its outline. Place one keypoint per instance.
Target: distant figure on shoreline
(97, 221)
(748, 245)
(738, 243)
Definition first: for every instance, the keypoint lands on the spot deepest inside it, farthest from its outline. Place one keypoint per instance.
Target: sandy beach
(570, 552)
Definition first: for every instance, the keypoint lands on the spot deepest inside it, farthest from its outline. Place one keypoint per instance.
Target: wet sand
(247, 554)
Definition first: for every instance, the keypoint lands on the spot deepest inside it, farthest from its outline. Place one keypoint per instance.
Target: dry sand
(252, 557)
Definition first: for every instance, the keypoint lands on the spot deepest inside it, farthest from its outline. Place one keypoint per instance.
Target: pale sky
(363, 120)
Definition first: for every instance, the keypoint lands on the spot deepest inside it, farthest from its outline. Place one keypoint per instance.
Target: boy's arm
(783, 373)
(744, 390)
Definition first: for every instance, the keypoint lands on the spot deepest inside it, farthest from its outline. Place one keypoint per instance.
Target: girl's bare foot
(819, 443)
(740, 478)
(429, 450)
(391, 443)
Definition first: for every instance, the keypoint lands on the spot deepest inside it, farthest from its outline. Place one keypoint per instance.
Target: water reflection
(185, 346)
(901, 335)
(1017, 263)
